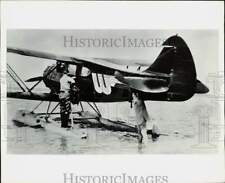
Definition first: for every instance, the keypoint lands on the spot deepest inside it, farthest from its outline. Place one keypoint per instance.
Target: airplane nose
(201, 88)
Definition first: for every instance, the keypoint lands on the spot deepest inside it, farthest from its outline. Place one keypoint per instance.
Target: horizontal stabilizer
(150, 85)
(201, 88)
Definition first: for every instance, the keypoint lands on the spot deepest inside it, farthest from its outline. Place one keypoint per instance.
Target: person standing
(64, 97)
(143, 120)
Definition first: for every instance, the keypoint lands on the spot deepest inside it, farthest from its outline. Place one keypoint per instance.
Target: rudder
(176, 59)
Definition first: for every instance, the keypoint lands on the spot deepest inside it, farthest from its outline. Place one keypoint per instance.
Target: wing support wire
(17, 79)
(16, 82)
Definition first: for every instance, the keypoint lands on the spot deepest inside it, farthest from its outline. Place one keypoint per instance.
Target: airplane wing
(96, 65)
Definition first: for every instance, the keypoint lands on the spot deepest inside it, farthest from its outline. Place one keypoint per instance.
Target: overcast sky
(202, 43)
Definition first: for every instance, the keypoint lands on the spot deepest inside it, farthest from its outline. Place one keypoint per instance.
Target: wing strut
(95, 108)
(16, 82)
(16, 78)
(37, 106)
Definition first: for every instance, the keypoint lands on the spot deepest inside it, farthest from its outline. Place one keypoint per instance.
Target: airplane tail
(176, 59)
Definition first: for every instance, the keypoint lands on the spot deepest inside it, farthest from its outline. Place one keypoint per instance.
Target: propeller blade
(39, 78)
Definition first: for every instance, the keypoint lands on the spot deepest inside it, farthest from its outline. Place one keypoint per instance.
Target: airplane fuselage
(172, 77)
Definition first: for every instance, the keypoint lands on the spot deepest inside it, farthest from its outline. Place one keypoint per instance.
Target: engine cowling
(51, 78)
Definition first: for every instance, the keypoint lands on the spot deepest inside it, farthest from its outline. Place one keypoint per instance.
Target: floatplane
(171, 77)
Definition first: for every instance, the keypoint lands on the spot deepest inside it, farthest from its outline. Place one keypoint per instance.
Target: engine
(53, 73)
(51, 78)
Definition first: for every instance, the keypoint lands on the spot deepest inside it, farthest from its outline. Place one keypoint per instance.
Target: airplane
(171, 77)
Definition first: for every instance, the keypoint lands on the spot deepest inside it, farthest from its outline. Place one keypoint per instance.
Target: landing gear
(143, 120)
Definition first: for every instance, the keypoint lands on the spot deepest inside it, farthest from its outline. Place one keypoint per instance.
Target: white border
(110, 15)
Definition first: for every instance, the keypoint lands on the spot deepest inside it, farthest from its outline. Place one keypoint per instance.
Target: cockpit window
(85, 72)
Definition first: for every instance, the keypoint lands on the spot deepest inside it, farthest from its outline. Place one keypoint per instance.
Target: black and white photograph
(113, 92)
